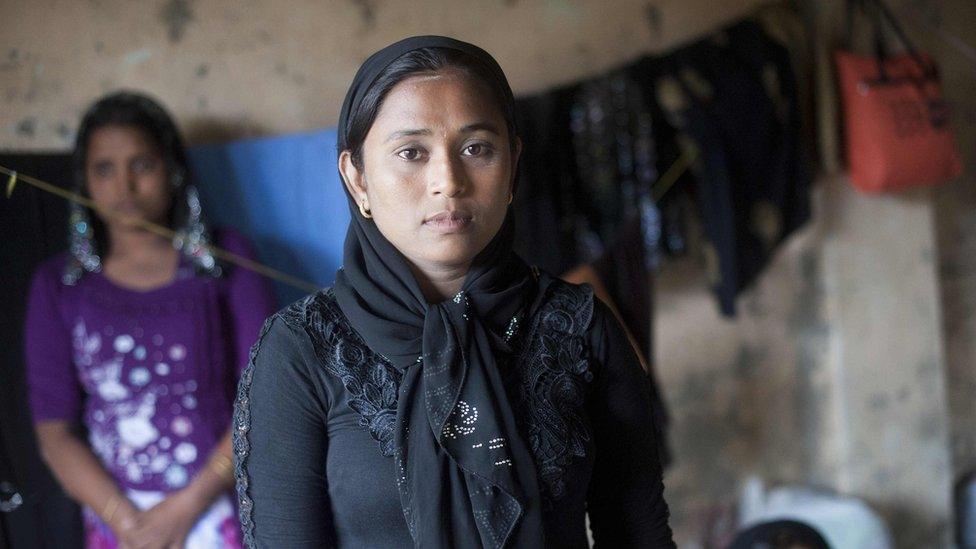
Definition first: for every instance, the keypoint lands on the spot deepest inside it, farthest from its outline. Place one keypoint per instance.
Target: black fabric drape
(32, 223)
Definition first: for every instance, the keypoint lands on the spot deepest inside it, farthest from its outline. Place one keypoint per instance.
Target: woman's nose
(447, 177)
(131, 180)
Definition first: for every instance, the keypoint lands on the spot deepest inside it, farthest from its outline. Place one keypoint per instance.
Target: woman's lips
(127, 208)
(447, 222)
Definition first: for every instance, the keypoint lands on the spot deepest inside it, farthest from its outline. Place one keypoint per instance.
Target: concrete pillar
(889, 403)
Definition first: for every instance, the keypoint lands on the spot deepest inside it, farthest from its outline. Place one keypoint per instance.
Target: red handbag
(896, 123)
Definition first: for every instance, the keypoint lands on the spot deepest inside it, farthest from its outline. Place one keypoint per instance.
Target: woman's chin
(450, 254)
(131, 223)
(441, 251)
(125, 222)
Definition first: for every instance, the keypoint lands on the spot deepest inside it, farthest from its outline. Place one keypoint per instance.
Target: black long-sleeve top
(316, 413)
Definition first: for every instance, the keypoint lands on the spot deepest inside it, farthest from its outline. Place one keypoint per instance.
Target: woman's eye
(477, 149)
(409, 154)
(143, 165)
(103, 169)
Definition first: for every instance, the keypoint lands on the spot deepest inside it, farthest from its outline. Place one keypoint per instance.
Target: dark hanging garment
(734, 99)
(675, 202)
(624, 274)
(619, 232)
(615, 152)
(622, 270)
(547, 204)
(789, 166)
(33, 224)
(587, 168)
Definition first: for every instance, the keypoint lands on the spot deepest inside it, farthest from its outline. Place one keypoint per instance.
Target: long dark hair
(136, 110)
(420, 61)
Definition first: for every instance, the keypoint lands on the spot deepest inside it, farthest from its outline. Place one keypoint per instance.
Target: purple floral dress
(150, 374)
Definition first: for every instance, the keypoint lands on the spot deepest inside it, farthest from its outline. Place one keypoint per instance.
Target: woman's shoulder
(313, 313)
(564, 307)
(233, 241)
(312, 327)
(52, 268)
(310, 343)
(316, 315)
(558, 338)
(569, 328)
(49, 275)
(285, 353)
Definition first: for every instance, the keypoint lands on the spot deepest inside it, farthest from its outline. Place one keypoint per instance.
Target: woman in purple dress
(142, 341)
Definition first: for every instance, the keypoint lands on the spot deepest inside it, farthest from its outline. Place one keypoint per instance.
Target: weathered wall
(853, 364)
(838, 371)
(749, 396)
(939, 25)
(231, 68)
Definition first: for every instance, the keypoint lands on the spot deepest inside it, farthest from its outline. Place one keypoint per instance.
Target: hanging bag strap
(880, 15)
(885, 15)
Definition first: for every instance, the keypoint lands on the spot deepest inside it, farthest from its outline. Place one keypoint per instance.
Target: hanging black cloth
(453, 493)
(588, 206)
(33, 222)
(734, 97)
(548, 201)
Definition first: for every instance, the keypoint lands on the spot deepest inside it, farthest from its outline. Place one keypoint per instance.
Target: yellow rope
(11, 183)
(160, 230)
(670, 177)
(658, 190)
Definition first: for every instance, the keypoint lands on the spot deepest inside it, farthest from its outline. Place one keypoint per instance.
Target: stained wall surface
(852, 365)
(231, 68)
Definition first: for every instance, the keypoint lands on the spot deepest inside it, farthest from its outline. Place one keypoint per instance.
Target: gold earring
(364, 210)
(511, 196)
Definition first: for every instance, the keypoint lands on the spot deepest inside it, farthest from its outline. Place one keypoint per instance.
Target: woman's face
(437, 169)
(126, 175)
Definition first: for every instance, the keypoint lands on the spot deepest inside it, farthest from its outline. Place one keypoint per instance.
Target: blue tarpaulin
(285, 195)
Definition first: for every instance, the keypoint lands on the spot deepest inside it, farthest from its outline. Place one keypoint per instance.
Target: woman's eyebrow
(469, 128)
(486, 126)
(406, 133)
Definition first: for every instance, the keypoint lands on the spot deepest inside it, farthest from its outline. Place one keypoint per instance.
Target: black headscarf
(465, 476)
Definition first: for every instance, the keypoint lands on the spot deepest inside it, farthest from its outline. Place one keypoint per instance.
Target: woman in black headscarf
(505, 404)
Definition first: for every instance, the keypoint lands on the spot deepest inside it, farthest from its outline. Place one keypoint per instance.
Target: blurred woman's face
(127, 176)
(437, 170)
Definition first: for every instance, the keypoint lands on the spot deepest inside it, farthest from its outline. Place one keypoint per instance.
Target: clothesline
(658, 190)
(157, 229)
